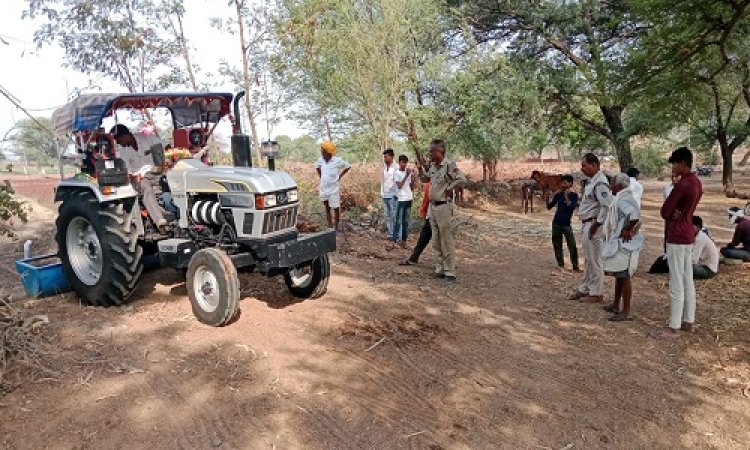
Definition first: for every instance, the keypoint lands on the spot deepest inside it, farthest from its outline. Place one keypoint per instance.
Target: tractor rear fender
(65, 187)
(126, 195)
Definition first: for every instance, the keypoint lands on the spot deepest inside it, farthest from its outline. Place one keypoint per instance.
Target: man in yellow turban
(330, 170)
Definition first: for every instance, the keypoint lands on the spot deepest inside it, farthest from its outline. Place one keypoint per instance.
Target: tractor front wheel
(311, 280)
(213, 287)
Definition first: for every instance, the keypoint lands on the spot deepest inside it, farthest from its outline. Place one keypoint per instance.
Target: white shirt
(705, 252)
(637, 189)
(668, 190)
(404, 194)
(330, 171)
(388, 187)
(136, 160)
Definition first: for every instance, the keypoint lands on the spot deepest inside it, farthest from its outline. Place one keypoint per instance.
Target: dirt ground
(390, 358)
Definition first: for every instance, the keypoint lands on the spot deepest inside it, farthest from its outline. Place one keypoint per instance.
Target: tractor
(221, 219)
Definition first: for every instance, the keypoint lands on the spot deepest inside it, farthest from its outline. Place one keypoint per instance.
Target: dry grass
(25, 348)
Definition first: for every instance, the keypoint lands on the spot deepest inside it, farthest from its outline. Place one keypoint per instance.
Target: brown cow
(547, 182)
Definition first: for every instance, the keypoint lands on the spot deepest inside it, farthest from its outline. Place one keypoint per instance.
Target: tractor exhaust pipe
(241, 156)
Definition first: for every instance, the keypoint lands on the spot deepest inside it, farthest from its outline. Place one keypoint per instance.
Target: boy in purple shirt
(741, 236)
(678, 211)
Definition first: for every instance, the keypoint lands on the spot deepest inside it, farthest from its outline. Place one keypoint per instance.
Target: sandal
(407, 262)
(611, 309)
(664, 334)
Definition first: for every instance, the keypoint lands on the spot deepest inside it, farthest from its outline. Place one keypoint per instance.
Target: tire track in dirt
(391, 385)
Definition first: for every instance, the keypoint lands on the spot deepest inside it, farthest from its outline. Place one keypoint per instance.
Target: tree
(121, 39)
(498, 109)
(10, 208)
(34, 138)
(699, 63)
(361, 61)
(174, 11)
(585, 44)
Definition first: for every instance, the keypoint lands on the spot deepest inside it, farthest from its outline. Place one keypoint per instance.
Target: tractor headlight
(265, 201)
(292, 196)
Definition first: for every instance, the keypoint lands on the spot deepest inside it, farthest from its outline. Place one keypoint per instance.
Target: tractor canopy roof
(86, 112)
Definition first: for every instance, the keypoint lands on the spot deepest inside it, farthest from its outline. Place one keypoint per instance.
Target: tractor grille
(280, 219)
(247, 224)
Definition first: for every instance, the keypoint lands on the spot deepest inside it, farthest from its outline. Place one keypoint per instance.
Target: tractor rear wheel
(213, 287)
(309, 281)
(99, 250)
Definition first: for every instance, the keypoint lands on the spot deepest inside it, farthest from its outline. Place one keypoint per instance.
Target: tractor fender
(65, 187)
(127, 195)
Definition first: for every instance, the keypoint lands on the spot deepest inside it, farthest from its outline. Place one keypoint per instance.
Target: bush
(10, 208)
(650, 159)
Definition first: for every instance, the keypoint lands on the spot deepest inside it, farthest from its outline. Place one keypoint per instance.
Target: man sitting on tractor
(135, 151)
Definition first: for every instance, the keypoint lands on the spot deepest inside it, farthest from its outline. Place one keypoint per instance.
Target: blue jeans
(389, 206)
(736, 253)
(401, 223)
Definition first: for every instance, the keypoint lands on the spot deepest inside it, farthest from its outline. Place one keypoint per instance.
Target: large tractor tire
(310, 281)
(99, 250)
(213, 287)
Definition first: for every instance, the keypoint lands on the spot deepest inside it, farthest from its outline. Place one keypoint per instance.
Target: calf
(547, 182)
(528, 187)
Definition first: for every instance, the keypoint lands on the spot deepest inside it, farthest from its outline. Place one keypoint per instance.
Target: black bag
(660, 265)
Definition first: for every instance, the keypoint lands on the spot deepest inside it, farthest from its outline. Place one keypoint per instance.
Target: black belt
(439, 203)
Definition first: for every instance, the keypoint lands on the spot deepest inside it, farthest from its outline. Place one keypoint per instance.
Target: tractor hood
(193, 176)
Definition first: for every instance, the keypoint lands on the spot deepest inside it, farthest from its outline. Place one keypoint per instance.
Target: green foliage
(360, 62)
(304, 148)
(34, 139)
(650, 158)
(10, 209)
(125, 40)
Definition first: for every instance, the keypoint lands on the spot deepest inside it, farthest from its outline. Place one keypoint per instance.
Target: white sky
(40, 83)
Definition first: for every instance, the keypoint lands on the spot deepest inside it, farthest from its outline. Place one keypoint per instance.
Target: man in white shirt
(330, 170)
(388, 189)
(705, 253)
(404, 178)
(636, 188)
(135, 150)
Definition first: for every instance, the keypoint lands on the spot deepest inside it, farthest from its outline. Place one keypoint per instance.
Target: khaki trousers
(442, 238)
(593, 270)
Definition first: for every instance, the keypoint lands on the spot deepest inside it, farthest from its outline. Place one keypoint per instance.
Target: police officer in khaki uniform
(593, 211)
(444, 176)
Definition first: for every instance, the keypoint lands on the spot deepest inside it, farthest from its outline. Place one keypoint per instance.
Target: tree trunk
(327, 126)
(247, 82)
(493, 170)
(184, 50)
(621, 142)
(726, 161)
(484, 170)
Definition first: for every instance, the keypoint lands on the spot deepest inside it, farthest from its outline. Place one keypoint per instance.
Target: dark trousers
(701, 272)
(557, 243)
(424, 238)
(736, 253)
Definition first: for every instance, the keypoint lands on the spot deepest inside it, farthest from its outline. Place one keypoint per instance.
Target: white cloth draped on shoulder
(620, 256)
